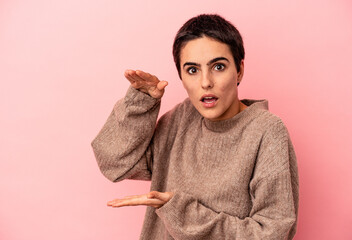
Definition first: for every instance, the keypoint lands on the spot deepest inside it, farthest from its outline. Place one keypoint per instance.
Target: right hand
(145, 82)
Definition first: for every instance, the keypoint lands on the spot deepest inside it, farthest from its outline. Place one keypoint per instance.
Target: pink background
(61, 71)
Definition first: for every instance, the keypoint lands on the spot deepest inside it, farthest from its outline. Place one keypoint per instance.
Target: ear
(241, 72)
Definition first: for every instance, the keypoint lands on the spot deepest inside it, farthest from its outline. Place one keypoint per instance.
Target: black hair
(213, 26)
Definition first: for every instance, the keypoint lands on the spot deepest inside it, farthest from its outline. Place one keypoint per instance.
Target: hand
(146, 83)
(153, 199)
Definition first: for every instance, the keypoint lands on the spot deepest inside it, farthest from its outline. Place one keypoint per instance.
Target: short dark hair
(213, 26)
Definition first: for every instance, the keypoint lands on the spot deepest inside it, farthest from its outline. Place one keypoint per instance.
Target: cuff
(142, 102)
(171, 210)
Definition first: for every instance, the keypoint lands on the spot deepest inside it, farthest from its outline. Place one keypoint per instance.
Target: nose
(207, 81)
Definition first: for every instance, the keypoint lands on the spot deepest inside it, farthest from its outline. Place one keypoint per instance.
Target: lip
(207, 95)
(211, 103)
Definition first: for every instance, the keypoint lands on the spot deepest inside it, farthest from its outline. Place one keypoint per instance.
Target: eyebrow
(191, 64)
(210, 62)
(217, 59)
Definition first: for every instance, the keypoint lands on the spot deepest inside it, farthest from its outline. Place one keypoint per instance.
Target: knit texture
(232, 179)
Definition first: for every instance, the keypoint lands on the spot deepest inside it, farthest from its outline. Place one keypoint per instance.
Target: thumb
(163, 196)
(161, 85)
(154, 194)
(157, 195)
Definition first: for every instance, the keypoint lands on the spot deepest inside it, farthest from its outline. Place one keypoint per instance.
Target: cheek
(228, 85)
(191, 89)
(185, 86)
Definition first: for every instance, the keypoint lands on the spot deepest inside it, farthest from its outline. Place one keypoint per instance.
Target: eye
(219, 67)
(192, 70)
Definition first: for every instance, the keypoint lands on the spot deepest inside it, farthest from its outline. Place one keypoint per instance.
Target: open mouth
(209, 99)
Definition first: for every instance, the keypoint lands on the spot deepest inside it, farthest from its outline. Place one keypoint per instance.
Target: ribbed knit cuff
(142, 101)
(170, 209)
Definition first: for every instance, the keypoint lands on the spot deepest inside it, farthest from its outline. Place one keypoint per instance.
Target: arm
(274, 195)
(122, 147)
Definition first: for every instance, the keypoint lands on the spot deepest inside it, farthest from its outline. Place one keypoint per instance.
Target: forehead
(204, 49)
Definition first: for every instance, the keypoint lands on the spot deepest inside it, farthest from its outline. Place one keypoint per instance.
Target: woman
(220, 168)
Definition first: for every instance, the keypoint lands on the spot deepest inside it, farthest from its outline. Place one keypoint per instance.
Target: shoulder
(276, 155)
(270, 122)
(177, 119)
(180, 114)
(262, 123)
(272, 131)
(275, 149)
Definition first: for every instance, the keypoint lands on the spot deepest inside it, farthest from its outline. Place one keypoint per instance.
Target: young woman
(220, 167)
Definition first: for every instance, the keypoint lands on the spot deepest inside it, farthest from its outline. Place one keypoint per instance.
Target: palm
(147, 83)
(153, 199)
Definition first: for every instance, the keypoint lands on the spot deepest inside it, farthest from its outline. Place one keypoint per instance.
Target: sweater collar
(252, 108)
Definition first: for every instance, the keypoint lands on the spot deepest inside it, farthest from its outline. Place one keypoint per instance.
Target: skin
(146, 82)
(153, 199)
(207, 67)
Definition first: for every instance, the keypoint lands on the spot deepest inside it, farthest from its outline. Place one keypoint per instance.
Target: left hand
(153, 199)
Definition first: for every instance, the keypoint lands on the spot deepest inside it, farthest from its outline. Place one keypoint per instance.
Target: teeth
(209, 99)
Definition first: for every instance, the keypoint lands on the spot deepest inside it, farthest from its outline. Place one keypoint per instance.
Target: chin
(215, 114)
(211, 116)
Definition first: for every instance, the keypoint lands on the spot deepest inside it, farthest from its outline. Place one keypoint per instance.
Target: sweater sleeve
(122, 148)
(274, 195)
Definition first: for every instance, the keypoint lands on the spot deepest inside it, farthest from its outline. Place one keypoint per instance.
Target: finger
(156, 194)
(135, 202)
(122, 202)
(143, 74)
(142, 81)
(163, 196)
(115, 202)
(132, 81)
(147, 76)
(145, 85)
(139, 75)
(134, 77)
(136, 196)
(152, 194)
(129, 71)
(161, 85)
(112, 202)
(135, 199)
(136, 81)
(128, 75)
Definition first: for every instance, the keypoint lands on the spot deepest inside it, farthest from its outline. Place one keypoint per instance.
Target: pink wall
(61, 71)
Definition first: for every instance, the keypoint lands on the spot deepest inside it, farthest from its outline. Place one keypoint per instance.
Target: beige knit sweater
(233, 179)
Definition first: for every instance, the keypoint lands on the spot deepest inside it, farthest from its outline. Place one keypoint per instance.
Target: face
(209, 75)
